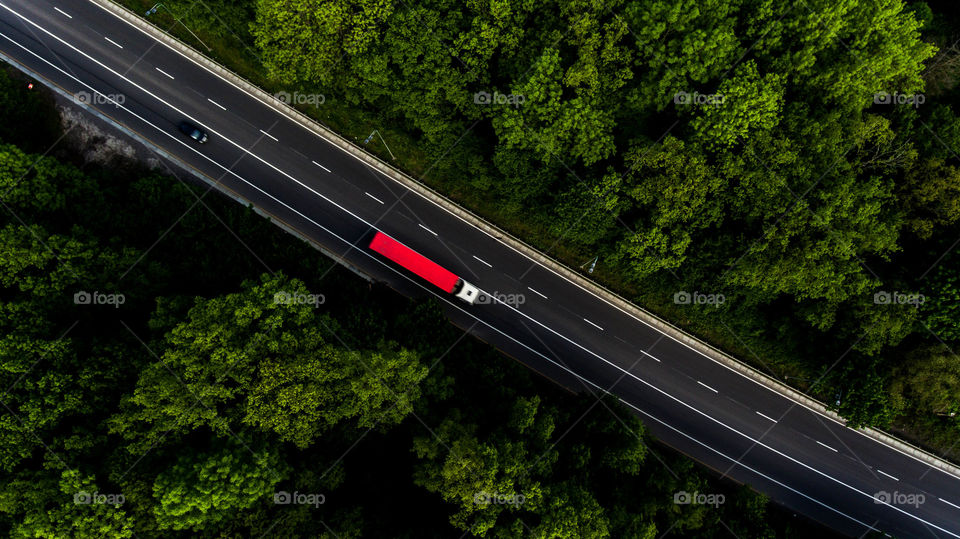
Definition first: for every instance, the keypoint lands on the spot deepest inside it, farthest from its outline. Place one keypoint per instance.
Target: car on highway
(193, 132)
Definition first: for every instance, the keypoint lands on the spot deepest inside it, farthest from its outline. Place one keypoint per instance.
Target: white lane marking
(64, 13)
(948, 503)
(482, 261)
(761, 414)
(827, 446)
(373, 197)
(879, 471)
(269, 135)
(444, 298)
(321, 166)
(708, 387)
(551, 270)
(112, 41)
(458, 307)
(165, 73)
(427, 229)
(217, 104)
(592, 324)
(650, 356)
(537, 293)
(737, 462)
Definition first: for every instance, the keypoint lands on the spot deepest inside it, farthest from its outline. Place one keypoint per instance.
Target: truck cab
(467, 292)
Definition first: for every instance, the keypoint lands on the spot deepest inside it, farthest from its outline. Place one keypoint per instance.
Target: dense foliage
(157, 385)
(787, 157)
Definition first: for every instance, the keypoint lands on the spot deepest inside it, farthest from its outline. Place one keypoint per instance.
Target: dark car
(193, 132)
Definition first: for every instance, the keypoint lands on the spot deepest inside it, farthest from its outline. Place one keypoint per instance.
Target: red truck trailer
(424, 267)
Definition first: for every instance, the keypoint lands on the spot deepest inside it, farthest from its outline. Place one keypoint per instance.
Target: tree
(941, 310)
(306, 41)
(257, 357)
(201, 490)
(299, 401)
(680, 193)
(69, 507)
(748, 104)
(928, 382)
(487, 478)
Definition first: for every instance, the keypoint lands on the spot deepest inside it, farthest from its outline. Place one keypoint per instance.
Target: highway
(800, 458)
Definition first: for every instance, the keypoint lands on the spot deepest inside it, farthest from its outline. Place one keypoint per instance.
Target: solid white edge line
(217, 104)
(765, 416)
(284, 113)
(482, 261)
(427, 229)
(112, 41)
(708, 387)
(157, 68)
(458, 307)
(736, 462)
(67, 15)
(537, 293)
(373, 197)
(592, 324)
(321, 166)
(269, 135)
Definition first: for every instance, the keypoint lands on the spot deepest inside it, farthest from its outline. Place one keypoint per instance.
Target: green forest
(156, 387)
(797, 159)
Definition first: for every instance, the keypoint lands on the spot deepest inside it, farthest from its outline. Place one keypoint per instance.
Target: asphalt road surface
(800, 458)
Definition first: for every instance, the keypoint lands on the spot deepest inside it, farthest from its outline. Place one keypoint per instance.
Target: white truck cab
(467, 292)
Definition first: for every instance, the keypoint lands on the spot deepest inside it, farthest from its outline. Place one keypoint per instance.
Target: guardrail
(596, 289)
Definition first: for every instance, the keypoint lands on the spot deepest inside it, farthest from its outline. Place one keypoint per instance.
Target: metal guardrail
(596, 289)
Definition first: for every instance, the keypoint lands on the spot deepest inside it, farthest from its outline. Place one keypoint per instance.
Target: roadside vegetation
(778, 178)
(174, 365)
